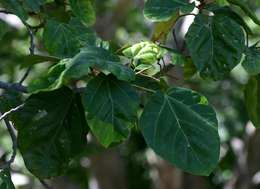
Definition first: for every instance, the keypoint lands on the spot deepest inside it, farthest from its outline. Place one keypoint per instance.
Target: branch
(14, 140)
(143, 88)
(31, 49)
(11, 111)
(13, 86)
(5, 12)
(151, 77)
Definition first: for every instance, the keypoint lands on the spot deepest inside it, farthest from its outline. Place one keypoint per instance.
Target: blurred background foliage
(132, 165)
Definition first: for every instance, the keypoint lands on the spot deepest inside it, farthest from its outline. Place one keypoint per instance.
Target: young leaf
(65, 39)
(101, 59)
(180, 126)
(112, 101)
(252, 99)
(144, 53)
(5, 180)
(252, 60)
(163, 10)
(216, 44)
(52, 131)
(84, 10)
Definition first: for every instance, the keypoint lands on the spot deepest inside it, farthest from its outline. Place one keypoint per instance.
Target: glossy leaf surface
(180, 126)
(112, 101)
(216, 44)
(51, 131)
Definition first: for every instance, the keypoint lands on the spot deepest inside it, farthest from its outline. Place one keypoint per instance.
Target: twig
(27, 72)
(14, 140)
(175, 39)
(13, 86)
(143, 88)
(5, 12)
(11, 111)
(153, 78)
(31, 49)
(45, 184)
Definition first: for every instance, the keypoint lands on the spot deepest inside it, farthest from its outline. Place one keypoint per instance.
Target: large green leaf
(51, 131)
(84, 10)
(15, 7)
(216, 44)
(102, 59)
(66, 39)
(252, 60)
(180, 126)
(112, 101)
(163, 10)
(252, 99)
(5, 180)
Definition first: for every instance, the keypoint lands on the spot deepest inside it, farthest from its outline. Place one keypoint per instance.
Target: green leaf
(84, 10)
(34, 5)
(65, 40)
(31, 60)
(234, 16)
(163, 10)
(146, 82)
(246, 9)
(148, 69)
(51, 80)
(16, 7)
(105, 132)
(5, 180)
(101, 59)
(189, 70)
(144, 53)
(180, 126)
(162, 29)
(252, 99)
(3, 28)
(68, 70)
(252, 60)
(52, 131)
(221, 2)
(112, 101)
(216, 44)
